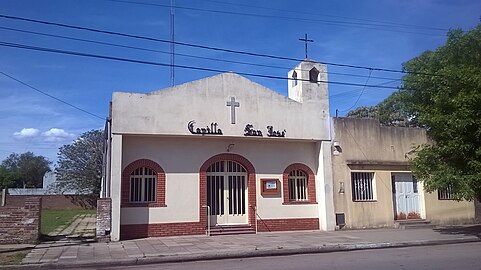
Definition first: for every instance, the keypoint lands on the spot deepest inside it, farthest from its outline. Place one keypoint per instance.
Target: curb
(280, 251)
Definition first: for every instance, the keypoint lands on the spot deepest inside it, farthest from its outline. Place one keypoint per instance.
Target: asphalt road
(452, 257)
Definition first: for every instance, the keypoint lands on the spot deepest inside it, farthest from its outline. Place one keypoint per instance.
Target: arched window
(298, 184)
(143, 183)
(294, 78)
(314, 75)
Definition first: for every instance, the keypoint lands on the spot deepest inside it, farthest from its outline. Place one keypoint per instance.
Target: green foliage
(23, 170)
(79, 166)
(448, 103)
(6, 178)
(393, 111)
(364, 112)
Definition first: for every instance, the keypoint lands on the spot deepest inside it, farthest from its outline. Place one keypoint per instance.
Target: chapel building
(222, 152)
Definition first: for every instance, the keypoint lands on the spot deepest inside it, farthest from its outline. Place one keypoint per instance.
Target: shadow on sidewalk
(469, 230)
(66, 237)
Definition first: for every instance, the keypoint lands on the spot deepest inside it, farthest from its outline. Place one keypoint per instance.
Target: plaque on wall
(270, 187)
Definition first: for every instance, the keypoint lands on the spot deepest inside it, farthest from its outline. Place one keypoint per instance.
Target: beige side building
(373, 186)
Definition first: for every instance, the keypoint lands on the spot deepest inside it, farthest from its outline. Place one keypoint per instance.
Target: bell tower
(307, 82)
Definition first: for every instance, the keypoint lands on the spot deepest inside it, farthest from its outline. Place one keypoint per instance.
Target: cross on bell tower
(305, 41)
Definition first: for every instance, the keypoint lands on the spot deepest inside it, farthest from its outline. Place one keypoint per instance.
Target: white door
(406, 196)
(227, 193)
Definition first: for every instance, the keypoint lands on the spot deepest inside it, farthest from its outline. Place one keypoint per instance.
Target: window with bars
(446, 193)
(362, 186)
(297, 186)
(143, 183)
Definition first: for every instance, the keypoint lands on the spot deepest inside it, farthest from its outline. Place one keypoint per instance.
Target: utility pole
(172, 45)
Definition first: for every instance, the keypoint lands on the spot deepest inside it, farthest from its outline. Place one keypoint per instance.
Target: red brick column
(104, 219)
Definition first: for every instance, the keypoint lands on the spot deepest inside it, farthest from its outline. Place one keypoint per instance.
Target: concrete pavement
(83, 226)
(75, 253)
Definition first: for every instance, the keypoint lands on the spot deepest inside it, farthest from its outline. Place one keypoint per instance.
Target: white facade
(181, 128)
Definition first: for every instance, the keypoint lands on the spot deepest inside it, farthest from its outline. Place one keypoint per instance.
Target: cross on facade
(305, 41)
(232, 104)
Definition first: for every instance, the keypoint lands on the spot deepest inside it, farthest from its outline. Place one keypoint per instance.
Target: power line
(362, 92)
(50, 96)
(351, 92)
(28, 47)
(205, 47)
(329, 22)
(180, 54)
(334, 16)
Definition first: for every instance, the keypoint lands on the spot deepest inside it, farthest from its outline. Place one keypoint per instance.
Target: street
(454, 256)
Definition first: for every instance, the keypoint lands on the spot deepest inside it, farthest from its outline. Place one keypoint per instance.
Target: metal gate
(227, 193)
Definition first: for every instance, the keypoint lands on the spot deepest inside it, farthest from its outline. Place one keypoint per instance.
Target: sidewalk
(74, 253)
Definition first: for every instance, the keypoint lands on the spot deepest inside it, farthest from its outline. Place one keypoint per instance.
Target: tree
(25, 170)
(79, 166)
(6, 178)
(393, 111)
(443, 92)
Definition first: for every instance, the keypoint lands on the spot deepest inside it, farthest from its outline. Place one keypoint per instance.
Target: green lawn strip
(12, 258)
(52, 219)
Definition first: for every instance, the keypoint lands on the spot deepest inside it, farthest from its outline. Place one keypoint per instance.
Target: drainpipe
(208, 219)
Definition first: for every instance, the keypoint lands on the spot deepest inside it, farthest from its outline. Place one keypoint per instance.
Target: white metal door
(407, 196)
(227, 193)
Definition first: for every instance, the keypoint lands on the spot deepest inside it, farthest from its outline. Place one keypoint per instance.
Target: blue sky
(366, 33)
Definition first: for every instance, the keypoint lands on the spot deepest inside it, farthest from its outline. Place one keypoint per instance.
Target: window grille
(362, 186)
(297, 186)
(446, 193)
(143, 183)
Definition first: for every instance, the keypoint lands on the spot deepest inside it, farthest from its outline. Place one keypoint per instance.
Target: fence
(20, 224)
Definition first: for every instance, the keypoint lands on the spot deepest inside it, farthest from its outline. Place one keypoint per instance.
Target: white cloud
(57, 135)
(26, 133)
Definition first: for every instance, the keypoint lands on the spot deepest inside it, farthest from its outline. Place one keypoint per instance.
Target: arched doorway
(227, 192)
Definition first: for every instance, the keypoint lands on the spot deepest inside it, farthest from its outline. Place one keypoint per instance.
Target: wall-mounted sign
(250, 131)
(270, 186)
(212, 130)
(275, 133)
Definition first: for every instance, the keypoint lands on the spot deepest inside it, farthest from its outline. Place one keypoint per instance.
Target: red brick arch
(311, 183)
(125, 188)
(251, 183)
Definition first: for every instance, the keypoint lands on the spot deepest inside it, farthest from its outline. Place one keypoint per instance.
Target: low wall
(477, 211)
(57, 201)
(21, 224)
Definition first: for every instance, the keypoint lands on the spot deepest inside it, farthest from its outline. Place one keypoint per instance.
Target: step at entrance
(414, 224)
(231, 230)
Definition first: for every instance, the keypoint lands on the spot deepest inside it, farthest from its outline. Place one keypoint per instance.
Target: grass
(13, 257)
(51, 219)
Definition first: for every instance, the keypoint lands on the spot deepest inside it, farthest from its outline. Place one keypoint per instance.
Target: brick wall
(161, 229)
(104, 219)
(21, 224)
(291, 224)
(57, 201)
